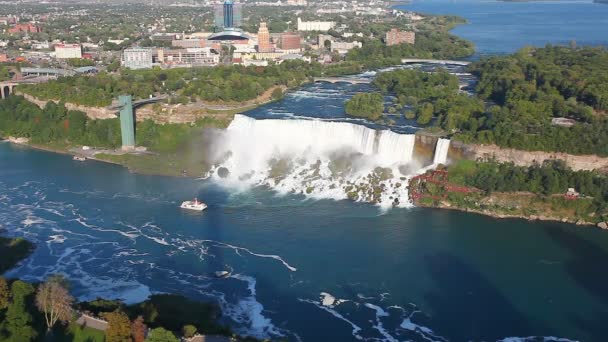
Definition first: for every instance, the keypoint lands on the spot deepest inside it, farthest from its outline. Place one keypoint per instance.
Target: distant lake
(498, 27)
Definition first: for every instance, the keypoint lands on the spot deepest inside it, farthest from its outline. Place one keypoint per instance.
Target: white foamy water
(441, 151)
(317, 158)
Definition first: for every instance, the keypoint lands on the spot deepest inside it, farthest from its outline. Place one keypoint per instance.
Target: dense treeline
(55, 124)
(47, 312)
(427, 95)
(552, 177)
(366, 105)
(532, 87)
(429, 44)
(223, 83)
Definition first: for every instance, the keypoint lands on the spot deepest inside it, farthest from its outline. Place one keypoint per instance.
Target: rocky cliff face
(95, 113)
(527, 158)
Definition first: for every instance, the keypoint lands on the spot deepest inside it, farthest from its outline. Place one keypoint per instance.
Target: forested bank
(47, 311)
(57, 126)
(503, 189)
(534, 86)
(522, 101)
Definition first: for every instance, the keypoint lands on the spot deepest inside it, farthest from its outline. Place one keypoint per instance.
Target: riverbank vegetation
(45, 311)
(536, 85)
(54, 124)
(218, 84)
(504, 189)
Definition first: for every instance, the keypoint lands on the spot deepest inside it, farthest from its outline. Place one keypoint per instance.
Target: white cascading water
(320, 159)
(441, 151)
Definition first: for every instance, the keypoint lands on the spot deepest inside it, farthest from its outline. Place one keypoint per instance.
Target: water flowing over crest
(319, 159)
(441, 151)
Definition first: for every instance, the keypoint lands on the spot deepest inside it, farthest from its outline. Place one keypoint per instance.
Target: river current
(305, 269)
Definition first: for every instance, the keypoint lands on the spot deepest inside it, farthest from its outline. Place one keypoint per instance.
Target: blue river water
(406, 274)
(498, 27)
(320, 270)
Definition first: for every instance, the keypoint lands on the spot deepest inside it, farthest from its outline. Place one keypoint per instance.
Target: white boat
(194, 205)
(79, 158)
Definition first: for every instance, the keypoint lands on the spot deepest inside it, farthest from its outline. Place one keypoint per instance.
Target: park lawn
(13, 251)
(75, 333)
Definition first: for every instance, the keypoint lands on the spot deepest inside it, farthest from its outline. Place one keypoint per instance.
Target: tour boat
(79, 158)
(194, 205)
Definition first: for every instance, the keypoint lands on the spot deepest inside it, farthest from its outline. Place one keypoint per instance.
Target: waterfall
(322, 159)
(441, 151)
(395, 148)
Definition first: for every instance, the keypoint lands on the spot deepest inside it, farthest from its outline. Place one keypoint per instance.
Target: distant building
(395, 37)
(322, 38)
(3, 58)
(186, 57)
(67, 51)
(189, 43)
(8, 20)
(163, 37)
(137, 58)
(290, 41)
(297, 2)
(29, 28)
(264, 39)
(344, 47)
(322, 26)
(228, 15)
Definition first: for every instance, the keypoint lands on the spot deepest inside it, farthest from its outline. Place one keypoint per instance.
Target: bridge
(350, 80)
(7, 87)
(138, 103)
(126, 106)
(433, 61)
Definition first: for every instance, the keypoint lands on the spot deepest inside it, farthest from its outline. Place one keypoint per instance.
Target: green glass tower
(127, 124)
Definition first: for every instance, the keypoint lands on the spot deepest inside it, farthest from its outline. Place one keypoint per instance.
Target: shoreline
(498, 216)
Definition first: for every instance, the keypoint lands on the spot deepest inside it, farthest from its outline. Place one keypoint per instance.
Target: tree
(367, 105)
(189, 331)
(18, 321)
(161, 335)
(5, 294)
(277, 93)
(119, 327)
(138, 329)
(54, 300)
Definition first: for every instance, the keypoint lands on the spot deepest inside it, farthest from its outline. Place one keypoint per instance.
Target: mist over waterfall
(316, 158)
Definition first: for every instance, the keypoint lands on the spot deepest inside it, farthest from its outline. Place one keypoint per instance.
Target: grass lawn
(75, 333)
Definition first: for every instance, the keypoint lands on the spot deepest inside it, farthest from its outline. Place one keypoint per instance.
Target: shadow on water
(588, 270)
(585, 266)
(467, 305)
